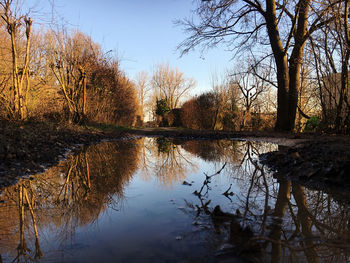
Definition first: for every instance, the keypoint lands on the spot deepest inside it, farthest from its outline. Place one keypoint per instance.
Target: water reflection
(165, 160)
(66, 197)
(273, 219)
(229, 208)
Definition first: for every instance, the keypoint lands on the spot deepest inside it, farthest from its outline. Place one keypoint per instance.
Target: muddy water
(155, 200)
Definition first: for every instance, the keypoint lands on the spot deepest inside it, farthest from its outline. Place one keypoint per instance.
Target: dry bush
(208, 112)
(42, 99)
(5, 76)
(111, 96)
(60, 63)
(200, 112)
(189, 112)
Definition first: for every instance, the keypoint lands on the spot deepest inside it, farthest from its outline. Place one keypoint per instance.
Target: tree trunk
(25, 71)
(281, 64)
(12, 28)
(288, 76)
(343, 89)
(296, 60)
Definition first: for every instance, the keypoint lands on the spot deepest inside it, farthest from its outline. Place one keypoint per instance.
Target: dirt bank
(322, 163)
(27, 148)
(285, 139)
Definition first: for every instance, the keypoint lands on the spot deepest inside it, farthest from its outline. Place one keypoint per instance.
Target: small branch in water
(222, 168)
(227, 193)
(207, 181)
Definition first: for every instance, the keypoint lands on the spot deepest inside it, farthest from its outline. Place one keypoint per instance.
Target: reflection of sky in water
(126, 202)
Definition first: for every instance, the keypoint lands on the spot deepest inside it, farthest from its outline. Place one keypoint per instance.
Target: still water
(159, 200)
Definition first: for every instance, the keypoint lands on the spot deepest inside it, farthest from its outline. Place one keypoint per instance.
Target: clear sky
(143, 34)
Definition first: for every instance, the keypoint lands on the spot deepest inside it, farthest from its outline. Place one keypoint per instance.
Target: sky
(143, 34)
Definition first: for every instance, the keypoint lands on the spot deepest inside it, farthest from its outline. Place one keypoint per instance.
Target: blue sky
(143, 34)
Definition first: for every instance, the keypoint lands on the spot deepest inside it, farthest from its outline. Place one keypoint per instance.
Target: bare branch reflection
(285, 221)
(68, 196)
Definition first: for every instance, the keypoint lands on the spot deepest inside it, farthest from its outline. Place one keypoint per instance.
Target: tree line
(292, 71)
(306, 40)
(59, 74)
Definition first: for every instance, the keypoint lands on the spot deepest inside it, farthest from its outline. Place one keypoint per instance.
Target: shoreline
(314, 160)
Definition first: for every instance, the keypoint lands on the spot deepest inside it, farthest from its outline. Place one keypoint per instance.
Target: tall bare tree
(345, 65)
(20, 63)
(142, 88)
(284, 26)
(171, 84)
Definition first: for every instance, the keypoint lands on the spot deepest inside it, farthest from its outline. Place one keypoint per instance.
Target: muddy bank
(322, 163)
(28, 148)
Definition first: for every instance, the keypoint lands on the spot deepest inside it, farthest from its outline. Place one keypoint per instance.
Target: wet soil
(29, 148)
(321, 161)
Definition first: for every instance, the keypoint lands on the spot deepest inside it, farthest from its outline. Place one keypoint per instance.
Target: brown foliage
(111, 96)
(200, 112)
(208, 111)
(60, 64)
(189, 112)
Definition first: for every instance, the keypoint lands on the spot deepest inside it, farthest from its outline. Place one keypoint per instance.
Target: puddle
(155, 200)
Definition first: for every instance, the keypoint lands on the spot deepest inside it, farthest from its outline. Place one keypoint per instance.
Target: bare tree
(284, 26)
(142, 88)
(171, 84)
(250, 80)
(20, 65)
(69, 58)
(345, 64)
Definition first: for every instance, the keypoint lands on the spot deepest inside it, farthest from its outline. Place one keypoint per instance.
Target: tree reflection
(68, 196)
(282, 219)
(23, 251)
(297, 221)
(166, 160)
(205, 149)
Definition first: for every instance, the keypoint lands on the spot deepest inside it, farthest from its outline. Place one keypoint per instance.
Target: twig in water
(207, 181)
(227, 193)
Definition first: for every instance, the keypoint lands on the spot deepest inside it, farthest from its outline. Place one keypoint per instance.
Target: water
(155, 200)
